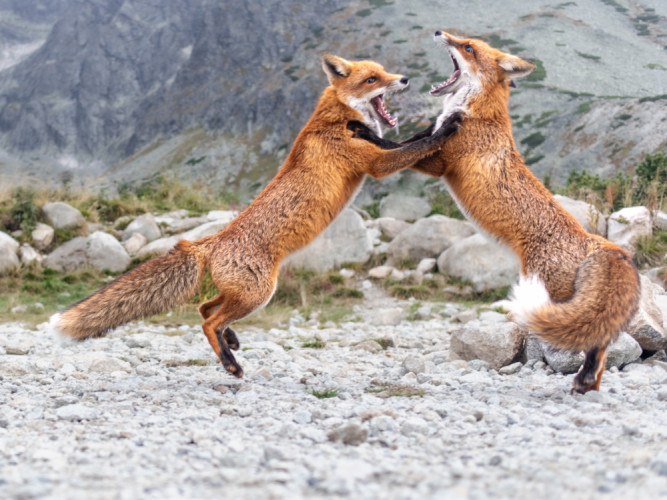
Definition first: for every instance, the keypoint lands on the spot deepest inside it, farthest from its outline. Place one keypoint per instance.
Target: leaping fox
(324, 170)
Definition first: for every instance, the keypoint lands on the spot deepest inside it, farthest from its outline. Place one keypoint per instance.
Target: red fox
(577, 290)
(322, 173)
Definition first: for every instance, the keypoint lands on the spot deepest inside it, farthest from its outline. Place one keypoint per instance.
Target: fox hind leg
(590, 374)
(229, 335)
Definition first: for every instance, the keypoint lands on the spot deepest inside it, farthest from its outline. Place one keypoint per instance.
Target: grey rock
(426, 265)
(625, 350)
(646, 327)
(60, 215)
(386, 316)
(428, 238)
(144, 224)
(135, 243)
(485, 264)
(104, 252)
(345, 240)
(99, 250)
(8, 256)
(511, 369)
(627, 225)
(42, 236)
(404, 207)
(76, 412)
(562, 361)
(380, 272)
(162, 245)
(29, 255)
(497, 344)
(391, 227)
(414, 364)
(660, 220)
(586, 214)
(69, 256)
(350, 434)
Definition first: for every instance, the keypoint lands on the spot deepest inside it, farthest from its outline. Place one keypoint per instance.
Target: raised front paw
(450, 125)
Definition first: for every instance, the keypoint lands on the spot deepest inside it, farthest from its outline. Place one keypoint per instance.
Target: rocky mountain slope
(109, 92)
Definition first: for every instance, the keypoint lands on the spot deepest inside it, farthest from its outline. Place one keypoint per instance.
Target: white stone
(404, 207)
(144, 224)
(627, 225)
(345, 240)
(60, 215)
(586, 214)
(428, 238)
(42, 236)
(487, 265)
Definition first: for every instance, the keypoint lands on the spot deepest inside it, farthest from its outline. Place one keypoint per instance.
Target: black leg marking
(227, 358)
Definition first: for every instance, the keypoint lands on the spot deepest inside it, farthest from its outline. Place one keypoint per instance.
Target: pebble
(149, 412)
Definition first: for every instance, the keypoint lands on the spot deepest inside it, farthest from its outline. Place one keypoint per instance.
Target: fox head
(362, 85)
(478, 68)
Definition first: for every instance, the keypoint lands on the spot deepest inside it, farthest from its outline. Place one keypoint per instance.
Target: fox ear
(335, 67)
(515, 67)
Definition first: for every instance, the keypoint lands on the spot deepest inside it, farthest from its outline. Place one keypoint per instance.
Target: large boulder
(99, 250)
(404, 207)
(647, 327)
(485, 264)
(104, 252)
(586, 214)
(144, 224)
(8, 253)
(42, 236)
(389, 227)
(60, 215)
(428, 237)
(499, 343)
(345, 240)
(627, 225)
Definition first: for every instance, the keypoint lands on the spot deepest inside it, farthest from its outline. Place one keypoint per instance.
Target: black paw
(450, 125)
(232, 340)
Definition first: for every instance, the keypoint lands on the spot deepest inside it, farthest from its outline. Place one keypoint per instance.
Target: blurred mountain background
(102, 93)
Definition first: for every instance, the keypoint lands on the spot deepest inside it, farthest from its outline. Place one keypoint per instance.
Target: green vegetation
(539, 74)
(648, 186)
(533, 140)
(327, 393)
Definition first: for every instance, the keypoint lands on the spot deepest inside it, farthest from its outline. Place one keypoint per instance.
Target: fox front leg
(361, 131)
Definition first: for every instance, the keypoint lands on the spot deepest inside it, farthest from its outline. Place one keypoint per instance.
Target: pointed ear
(335, 67)
(515, 67)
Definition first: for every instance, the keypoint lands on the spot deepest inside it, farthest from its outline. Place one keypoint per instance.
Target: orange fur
(321, 174)
(592, 284)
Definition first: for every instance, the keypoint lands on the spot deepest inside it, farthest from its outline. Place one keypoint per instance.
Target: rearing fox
(577, 290)
(321, 174)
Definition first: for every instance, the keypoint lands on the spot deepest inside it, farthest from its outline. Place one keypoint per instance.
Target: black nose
(405, 80)
(438, 33)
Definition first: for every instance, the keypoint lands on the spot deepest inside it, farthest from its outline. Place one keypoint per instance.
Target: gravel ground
(148, 413)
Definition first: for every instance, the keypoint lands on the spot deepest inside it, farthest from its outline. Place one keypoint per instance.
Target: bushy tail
(606, 294)
(151, 288)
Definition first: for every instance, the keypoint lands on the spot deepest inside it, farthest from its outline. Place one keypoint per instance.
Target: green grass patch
(325, 394)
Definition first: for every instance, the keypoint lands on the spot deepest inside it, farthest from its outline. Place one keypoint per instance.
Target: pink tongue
(378, 102)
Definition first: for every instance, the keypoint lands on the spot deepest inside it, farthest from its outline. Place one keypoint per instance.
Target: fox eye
(372, 79)
(469, 49)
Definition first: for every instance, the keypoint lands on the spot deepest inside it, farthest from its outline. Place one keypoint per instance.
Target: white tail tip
(59, 337)
(526, 297)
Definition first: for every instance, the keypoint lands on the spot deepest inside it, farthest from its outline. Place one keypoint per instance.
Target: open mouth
(381, 110)
(448, 86)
